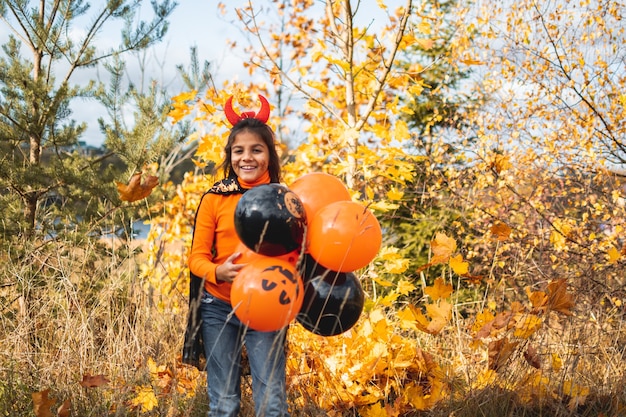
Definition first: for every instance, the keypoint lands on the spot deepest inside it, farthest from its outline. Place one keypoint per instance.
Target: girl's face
(249, 156)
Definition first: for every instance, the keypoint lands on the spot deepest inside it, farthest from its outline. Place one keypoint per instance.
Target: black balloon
(333, 301)
(270, 220)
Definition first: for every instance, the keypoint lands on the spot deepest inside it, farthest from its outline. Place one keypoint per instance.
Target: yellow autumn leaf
(406, 319)
(184, 96)
(395, 194)
(485, 379)
(438, 290)
(375, 410)
(440, 313)
(614, 255)
(576, 393)
(442, 247)
(459, 266)
(405, 287)
(426, 44)
(145, 398)
(396, 266)
(402, 131)
(527, 325)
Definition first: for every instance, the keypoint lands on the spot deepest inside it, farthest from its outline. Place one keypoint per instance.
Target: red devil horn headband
(235, 118)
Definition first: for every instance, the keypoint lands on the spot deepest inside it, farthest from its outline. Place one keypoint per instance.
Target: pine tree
(49, 181)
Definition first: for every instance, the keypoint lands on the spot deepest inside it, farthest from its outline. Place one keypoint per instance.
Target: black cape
(193, 347)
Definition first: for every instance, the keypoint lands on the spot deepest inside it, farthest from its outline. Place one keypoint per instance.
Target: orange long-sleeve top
(215, 237)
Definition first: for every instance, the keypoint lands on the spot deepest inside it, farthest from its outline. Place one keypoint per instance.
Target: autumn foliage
(500, 281)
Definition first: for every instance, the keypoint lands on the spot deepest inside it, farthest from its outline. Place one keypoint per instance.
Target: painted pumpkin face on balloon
(267, 294)
(276, 278)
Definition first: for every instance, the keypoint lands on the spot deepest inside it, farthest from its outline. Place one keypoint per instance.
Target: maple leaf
(501, 231)
(42, 404)
(443, 247)
(538, 299)
(501, 320)
(576, 393)
(135, 189)
(441, 314)
(558, 298)
(145, 398)
(438, 290)
(93, 381)
(459, 266)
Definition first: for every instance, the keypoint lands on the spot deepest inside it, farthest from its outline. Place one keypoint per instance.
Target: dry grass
(70, 312)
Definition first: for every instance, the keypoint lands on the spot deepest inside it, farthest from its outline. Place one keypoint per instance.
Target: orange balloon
(344, 236)
(248, 255)
(267, 294)
(317, 190)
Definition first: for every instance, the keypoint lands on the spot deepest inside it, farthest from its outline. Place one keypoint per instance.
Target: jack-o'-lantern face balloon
(267, 294)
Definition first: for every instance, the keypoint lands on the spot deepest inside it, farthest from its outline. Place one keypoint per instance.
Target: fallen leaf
(532, 357)
(136, 190)
(558, 298)
(501, 231)
(438, 290)
(458, 265)
(145, 398)
(473, 279)
(42, 404)
(443, 247)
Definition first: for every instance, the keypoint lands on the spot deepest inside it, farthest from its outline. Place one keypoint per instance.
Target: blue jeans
(224, 336)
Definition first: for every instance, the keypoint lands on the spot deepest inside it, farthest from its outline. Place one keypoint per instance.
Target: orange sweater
(215, 237)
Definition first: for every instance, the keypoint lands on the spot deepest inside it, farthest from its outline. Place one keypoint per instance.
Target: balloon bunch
(301, 245)
(342, 236)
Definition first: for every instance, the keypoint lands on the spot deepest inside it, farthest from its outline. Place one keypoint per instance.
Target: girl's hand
(228, 270)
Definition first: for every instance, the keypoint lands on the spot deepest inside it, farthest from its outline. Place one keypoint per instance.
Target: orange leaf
(424, 267)
(500, 321)
(438, 290)
(501, 231)
(538, 299)
(614, 255)
(65, 408)
(135, 190)
(42, 404)
(473, 279)
(440, 315)
(93, 381)
(558, 298)
(459, 266)
(443, 247)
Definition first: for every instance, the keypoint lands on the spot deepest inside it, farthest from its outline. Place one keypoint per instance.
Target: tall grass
(74, 309)
(69, 311)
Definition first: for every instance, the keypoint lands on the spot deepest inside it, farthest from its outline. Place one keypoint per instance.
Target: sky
(192, 23)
